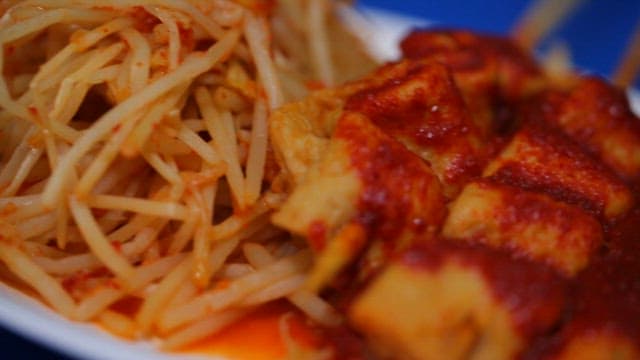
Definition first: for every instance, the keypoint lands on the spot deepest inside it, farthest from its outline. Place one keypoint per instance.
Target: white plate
(29, 318)
(381, 30)
(34, 321)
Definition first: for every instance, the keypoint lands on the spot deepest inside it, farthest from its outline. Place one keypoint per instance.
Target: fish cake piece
(605, 319)
(327, 198)
(300, 131)
(424, 110)
(530, 224)
(458, 301)
(598, 116)
(541, 159)
(503, 62)
(492, 72)
(479, 65)
(474, 72)
(368, 187)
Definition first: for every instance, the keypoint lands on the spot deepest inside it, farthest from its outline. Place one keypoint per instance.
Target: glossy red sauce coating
(425, 109)
(9, 50)
(187, 38)
(545, 161)
(513, 70)
(607, 104)
(605, 296)
(524, 207)
(424, 105)
(522, 177)
(400, 194)
(346, 344)
(547, 308)
(80, 283)
(259, 336)
(117, 245)
(128, 306)
(33, 111)
(262, 7)
(317, 235)
(534, 294)
(73, 282)
(143, 21)
(597, 115)
(542, 107)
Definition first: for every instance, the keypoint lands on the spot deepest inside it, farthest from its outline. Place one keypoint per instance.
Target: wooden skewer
(540, 19)
(629, 65)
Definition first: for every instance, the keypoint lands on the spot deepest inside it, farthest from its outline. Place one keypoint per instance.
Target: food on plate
(525, 247)
(456, 302)
(541, 158)
(135, 161)
(600, 119)
(171, 169)
(368, 189)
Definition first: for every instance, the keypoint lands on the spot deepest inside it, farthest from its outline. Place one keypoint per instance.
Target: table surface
(596, 33)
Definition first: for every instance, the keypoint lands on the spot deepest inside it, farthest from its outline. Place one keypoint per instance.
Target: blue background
(597, 34)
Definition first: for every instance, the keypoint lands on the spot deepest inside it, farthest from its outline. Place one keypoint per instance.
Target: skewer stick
(628, 67)
(542, 17)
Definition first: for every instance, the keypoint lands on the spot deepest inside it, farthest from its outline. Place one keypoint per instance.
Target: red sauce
(515, 73)
(187, 38)
(317, 235)
(524, 178)
(33, 110)
(143, 21)
(547, 308)
(608, 104)
(73, 282)
(542, 107)
(597, 115)
(425, 109)
(548, 162)
(262, 7)
(258, 337)
(345, 343)
(399, 191)
(533, 293)
(523, 207)
(605, 296)
(574, 235)
(128, 306)
(425, 43)
(315, 85)
(10, 50)
(117, 246)
(78, 284)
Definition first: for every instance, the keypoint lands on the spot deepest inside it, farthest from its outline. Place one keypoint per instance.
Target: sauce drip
(257, 336)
